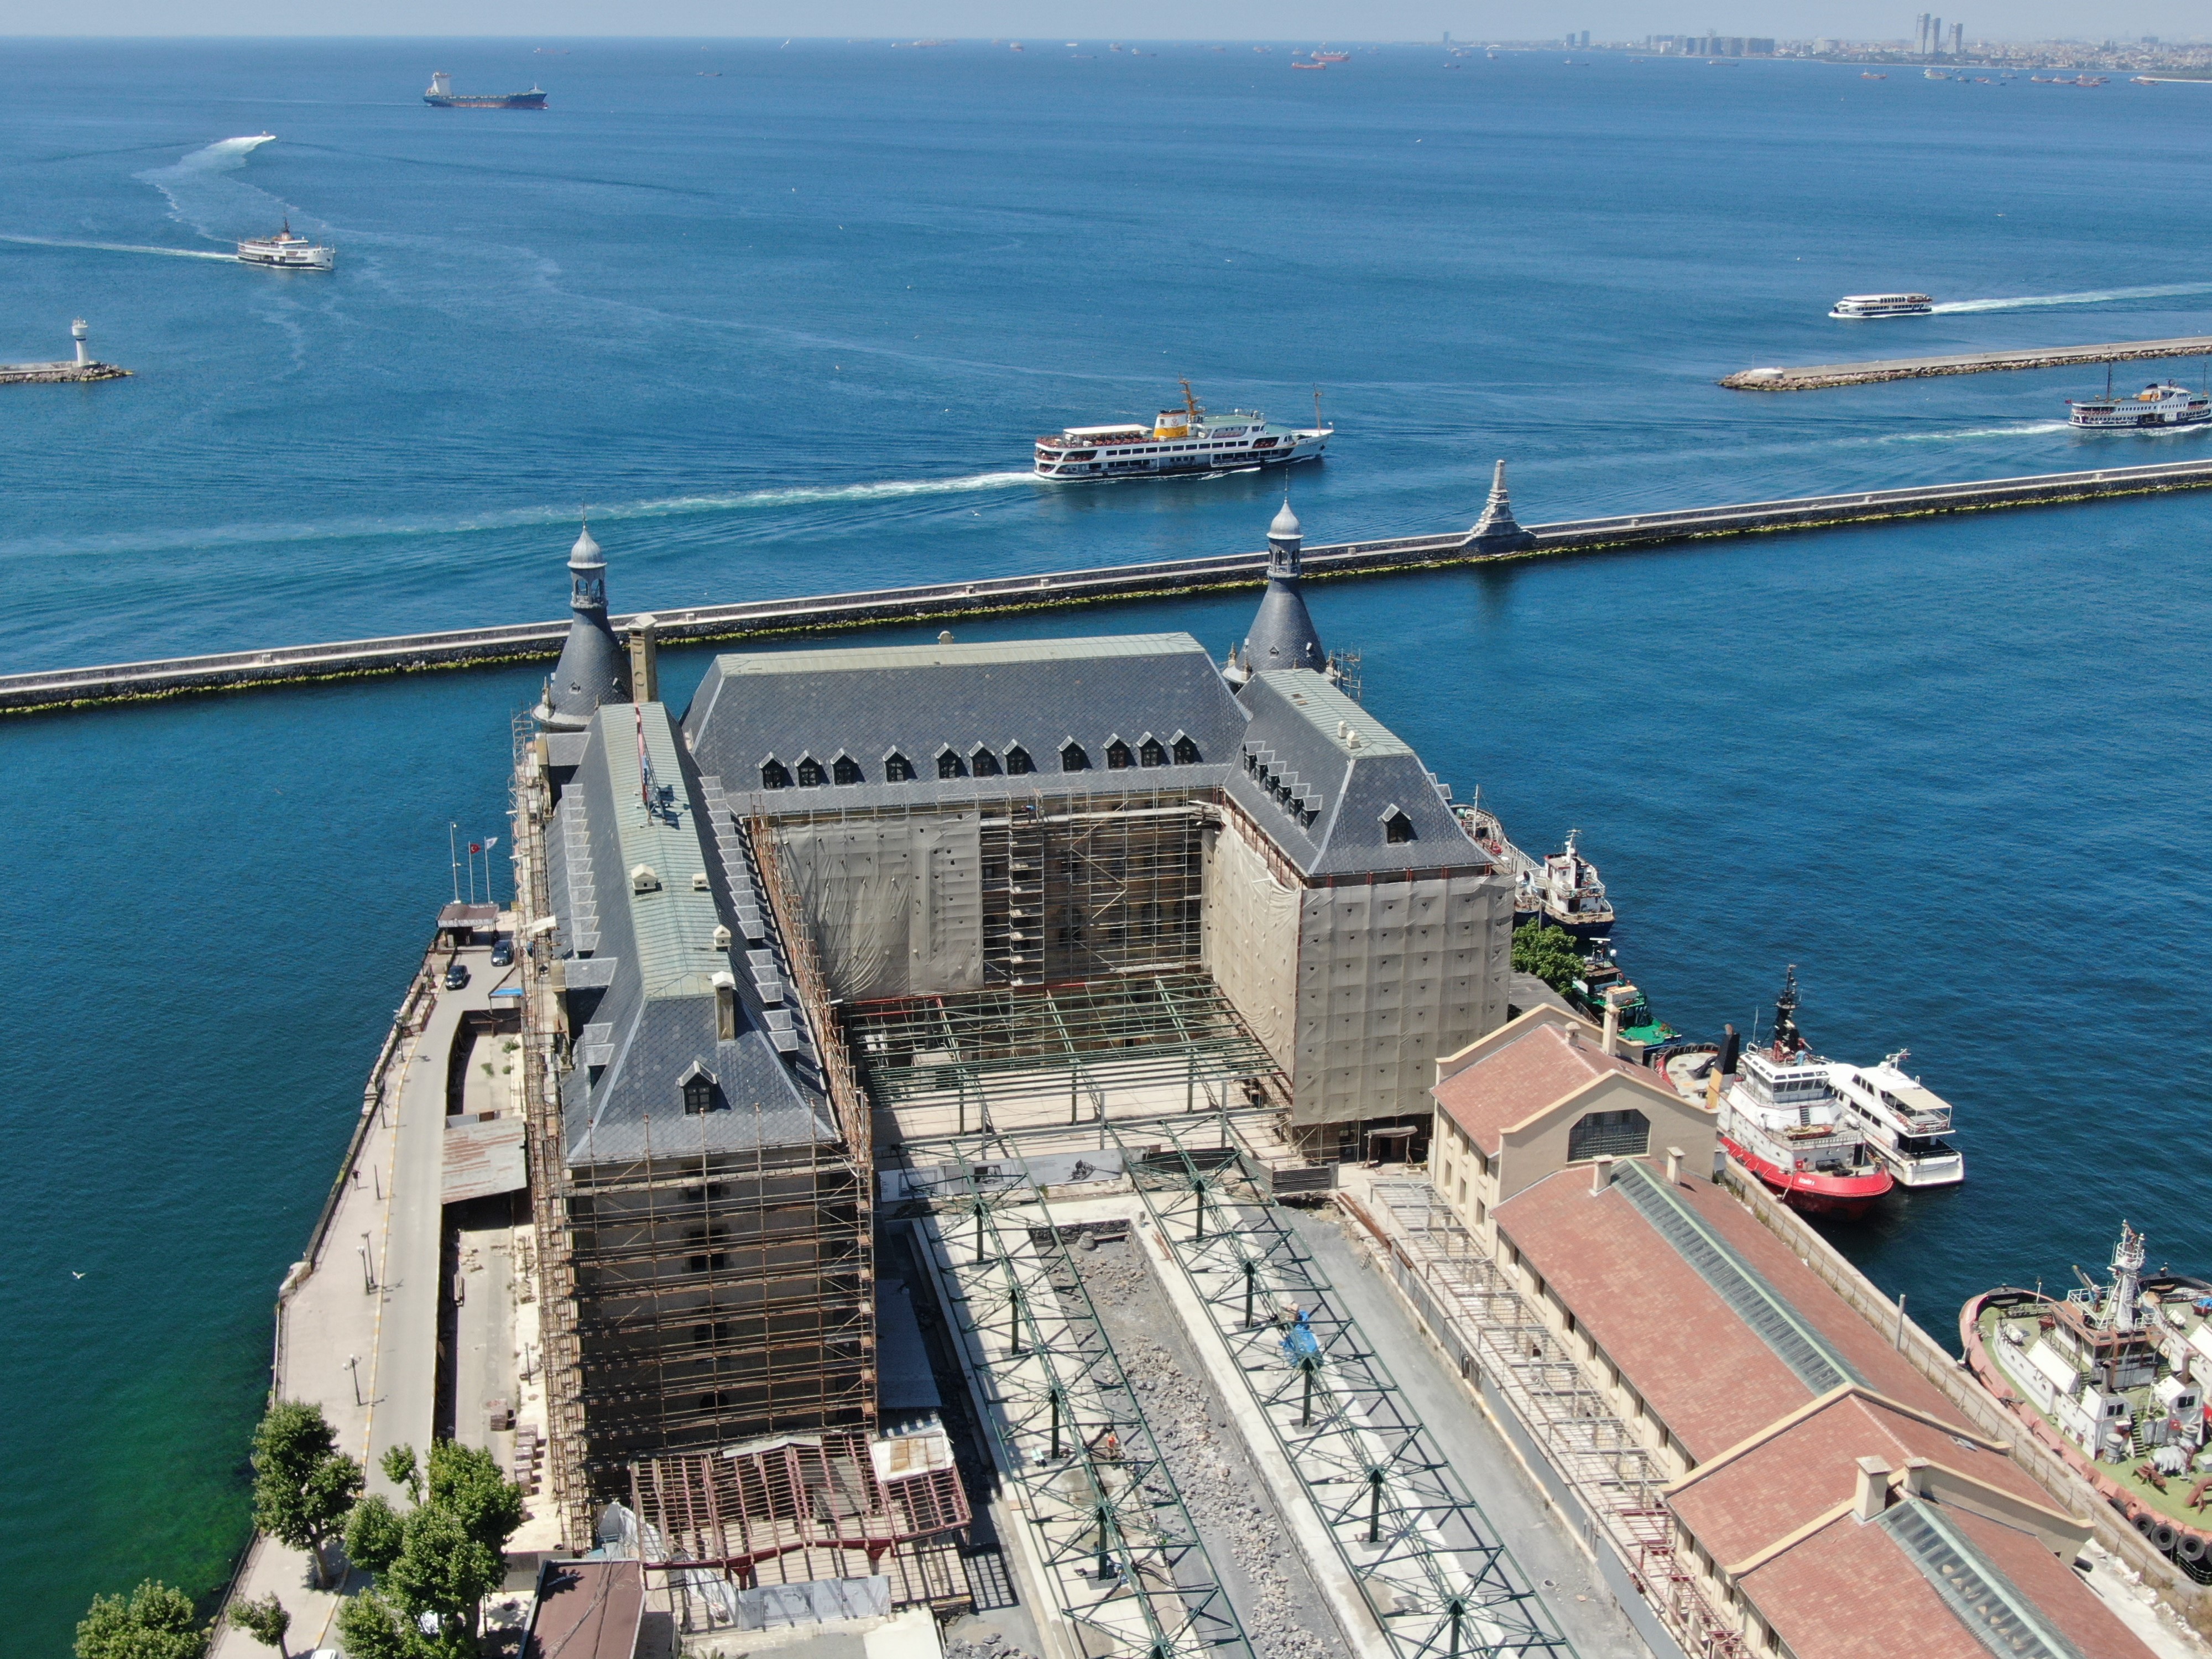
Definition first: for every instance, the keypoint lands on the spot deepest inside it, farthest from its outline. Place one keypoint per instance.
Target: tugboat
(1783, 1120)
(2106, 1376)
(1186, 440)
(1641, 1030)
(285, 252)
(1566, 891)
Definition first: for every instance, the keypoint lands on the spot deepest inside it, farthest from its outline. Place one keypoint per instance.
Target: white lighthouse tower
(79, 332)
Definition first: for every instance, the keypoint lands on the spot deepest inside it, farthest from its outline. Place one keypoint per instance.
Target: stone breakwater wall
(946, 602)
(1965, 362)
(58, 374)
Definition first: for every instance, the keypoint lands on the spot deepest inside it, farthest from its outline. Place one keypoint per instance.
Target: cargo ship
(2109, 1377)
(1186, 440)
(441, 95)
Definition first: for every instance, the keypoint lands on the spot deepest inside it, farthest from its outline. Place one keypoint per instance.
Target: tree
(155, 1623)
(303, 1484)
(1552, 954)
(265, 1621)
(374, 1534)
(373, 1628)
(442, 1569)
(466, 1481)
(399, 1466)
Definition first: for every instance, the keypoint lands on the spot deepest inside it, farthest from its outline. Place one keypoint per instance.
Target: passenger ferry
(1860, 306)
(1905, 1122)
(286, 252)
(1186, 440)
(2162, 404)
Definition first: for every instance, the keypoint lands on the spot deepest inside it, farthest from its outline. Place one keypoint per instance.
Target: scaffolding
(1059, 1055)
(1499, 1337)
(1428, 1564)
(1118, 1548)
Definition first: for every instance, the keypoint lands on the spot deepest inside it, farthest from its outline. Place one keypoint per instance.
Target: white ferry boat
(2161, 405)
(1905, 1122)
(1186, 440)
(287, 252)
(1863, 305)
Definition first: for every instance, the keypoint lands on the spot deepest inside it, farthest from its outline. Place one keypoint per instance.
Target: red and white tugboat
(1783, 1120)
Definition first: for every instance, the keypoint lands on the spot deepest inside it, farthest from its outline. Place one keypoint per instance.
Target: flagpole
(454, 853)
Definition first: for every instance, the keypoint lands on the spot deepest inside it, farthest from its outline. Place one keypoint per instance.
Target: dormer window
(1072, 758)
(1396, 827)
(810, 775)
(698, 1084)
(985, 764)
(1119, 757)
(949, 764)
(846, 770)
(1019, 763)
(897, 769)
(1151, 752)
(1185, 752)
(1252, 761)
(774, 774)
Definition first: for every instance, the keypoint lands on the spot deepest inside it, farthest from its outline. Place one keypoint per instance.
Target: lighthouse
(80, 333)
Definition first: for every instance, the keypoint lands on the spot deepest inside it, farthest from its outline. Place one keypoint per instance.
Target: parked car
(456, 976)
(502, 953)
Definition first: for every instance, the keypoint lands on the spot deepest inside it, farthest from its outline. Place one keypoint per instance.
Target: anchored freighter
(1186, 440)
(441, 95)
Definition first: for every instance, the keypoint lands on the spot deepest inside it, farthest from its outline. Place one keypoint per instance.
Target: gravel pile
(1282, 1611)
(993, 1646)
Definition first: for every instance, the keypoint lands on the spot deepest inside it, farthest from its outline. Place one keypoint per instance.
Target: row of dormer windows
(980, 762)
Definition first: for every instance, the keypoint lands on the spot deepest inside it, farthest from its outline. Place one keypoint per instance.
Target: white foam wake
(120, 247)
(201, 197)
(803, 495)
(2094, 297)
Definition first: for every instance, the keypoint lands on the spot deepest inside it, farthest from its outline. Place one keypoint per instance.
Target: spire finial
(1496, 530)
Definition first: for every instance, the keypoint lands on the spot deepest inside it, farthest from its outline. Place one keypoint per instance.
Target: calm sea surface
(788, 318)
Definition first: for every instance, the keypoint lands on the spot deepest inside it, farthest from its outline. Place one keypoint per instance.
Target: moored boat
(1186, 440)
(1782, 1119)
(1564, 890)
(1906, 1123)
(2107, 1376)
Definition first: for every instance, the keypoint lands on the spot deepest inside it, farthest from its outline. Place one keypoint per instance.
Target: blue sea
(788, 317)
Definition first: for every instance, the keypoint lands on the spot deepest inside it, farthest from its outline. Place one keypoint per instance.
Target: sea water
(788, 318)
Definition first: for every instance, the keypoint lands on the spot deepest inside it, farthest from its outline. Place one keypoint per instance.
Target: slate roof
(655, 953)
(1326, 800)
(866, 702)
(1512, 1084)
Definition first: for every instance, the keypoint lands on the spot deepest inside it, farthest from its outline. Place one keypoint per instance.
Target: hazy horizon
(1137, 20)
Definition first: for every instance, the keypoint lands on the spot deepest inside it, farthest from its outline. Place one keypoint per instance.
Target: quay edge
(58, 691)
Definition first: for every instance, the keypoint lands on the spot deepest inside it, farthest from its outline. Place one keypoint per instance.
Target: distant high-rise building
(1958, 39)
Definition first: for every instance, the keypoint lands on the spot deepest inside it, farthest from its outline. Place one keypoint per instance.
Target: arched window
(845, 769)
(1397, 827)
(948, 764)
(1072, 759)
(774, 774)
(1019, 762)
(1186, 752)
(810, 775)
(897, 769)
(984, 764)
(1152, 752)
(1118, 757)
(697, 1084)
(1609, 1134)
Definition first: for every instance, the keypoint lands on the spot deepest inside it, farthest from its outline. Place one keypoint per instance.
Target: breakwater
(58, 689)
(1963, 363)
(63, 374)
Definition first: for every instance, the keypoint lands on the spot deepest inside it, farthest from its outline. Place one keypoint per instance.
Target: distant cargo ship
(1854, 307)
(286, 252)
(441, 95)
(1186, 440)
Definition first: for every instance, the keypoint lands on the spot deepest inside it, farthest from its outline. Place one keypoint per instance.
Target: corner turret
(594, 668)
(1283, 634)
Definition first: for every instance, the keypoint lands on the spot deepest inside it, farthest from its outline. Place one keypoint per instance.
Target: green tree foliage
(374, 1534)
(303, 1484)
(1552, 954)
(442, 1558)
(265, 1621)
(155, 1623)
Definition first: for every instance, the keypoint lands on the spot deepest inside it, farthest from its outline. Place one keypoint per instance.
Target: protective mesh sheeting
(1252, 936)
(893, 902)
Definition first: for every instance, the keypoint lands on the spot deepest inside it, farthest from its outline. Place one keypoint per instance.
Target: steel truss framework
(1172, 1034)
(1125, 1560)
(1432, 1569)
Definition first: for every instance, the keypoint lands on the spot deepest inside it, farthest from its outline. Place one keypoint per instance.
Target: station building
(876, 892)
(1824, 1498)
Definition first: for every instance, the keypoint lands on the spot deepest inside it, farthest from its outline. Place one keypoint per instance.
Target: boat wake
(2094, 297)
(803, 495)
(122, 247)
(202, 196)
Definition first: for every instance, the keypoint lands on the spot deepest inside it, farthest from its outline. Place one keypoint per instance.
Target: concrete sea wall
(1964, 363)
(62, 688)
